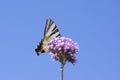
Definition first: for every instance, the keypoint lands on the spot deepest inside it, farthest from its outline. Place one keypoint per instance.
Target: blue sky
(93, 24)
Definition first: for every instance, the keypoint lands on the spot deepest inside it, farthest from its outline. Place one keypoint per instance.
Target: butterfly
(50, 32)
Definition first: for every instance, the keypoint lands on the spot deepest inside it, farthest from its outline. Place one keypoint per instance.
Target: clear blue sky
(94, 24)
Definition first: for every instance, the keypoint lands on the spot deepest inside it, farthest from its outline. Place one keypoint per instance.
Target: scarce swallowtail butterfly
(50, 32)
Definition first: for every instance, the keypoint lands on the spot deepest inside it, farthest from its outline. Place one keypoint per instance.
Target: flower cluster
(63, 49)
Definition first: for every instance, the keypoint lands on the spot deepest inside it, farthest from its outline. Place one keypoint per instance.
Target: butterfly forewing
(51, 31)
(49, 22)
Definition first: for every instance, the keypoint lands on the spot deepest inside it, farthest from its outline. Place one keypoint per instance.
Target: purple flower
(63, 49)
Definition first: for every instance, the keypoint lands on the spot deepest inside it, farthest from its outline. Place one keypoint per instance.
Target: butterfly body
(51, 31)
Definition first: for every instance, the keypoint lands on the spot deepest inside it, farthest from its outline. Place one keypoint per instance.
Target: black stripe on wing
(38, 49)
(49, 22)
(55, 30)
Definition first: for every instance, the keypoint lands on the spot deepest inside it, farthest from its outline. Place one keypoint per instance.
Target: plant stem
(62, 71)
(62, 68)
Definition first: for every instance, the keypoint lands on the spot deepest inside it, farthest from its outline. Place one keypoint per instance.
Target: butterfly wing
(51, 31)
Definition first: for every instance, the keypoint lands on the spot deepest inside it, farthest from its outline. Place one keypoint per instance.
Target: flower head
(63, 49)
